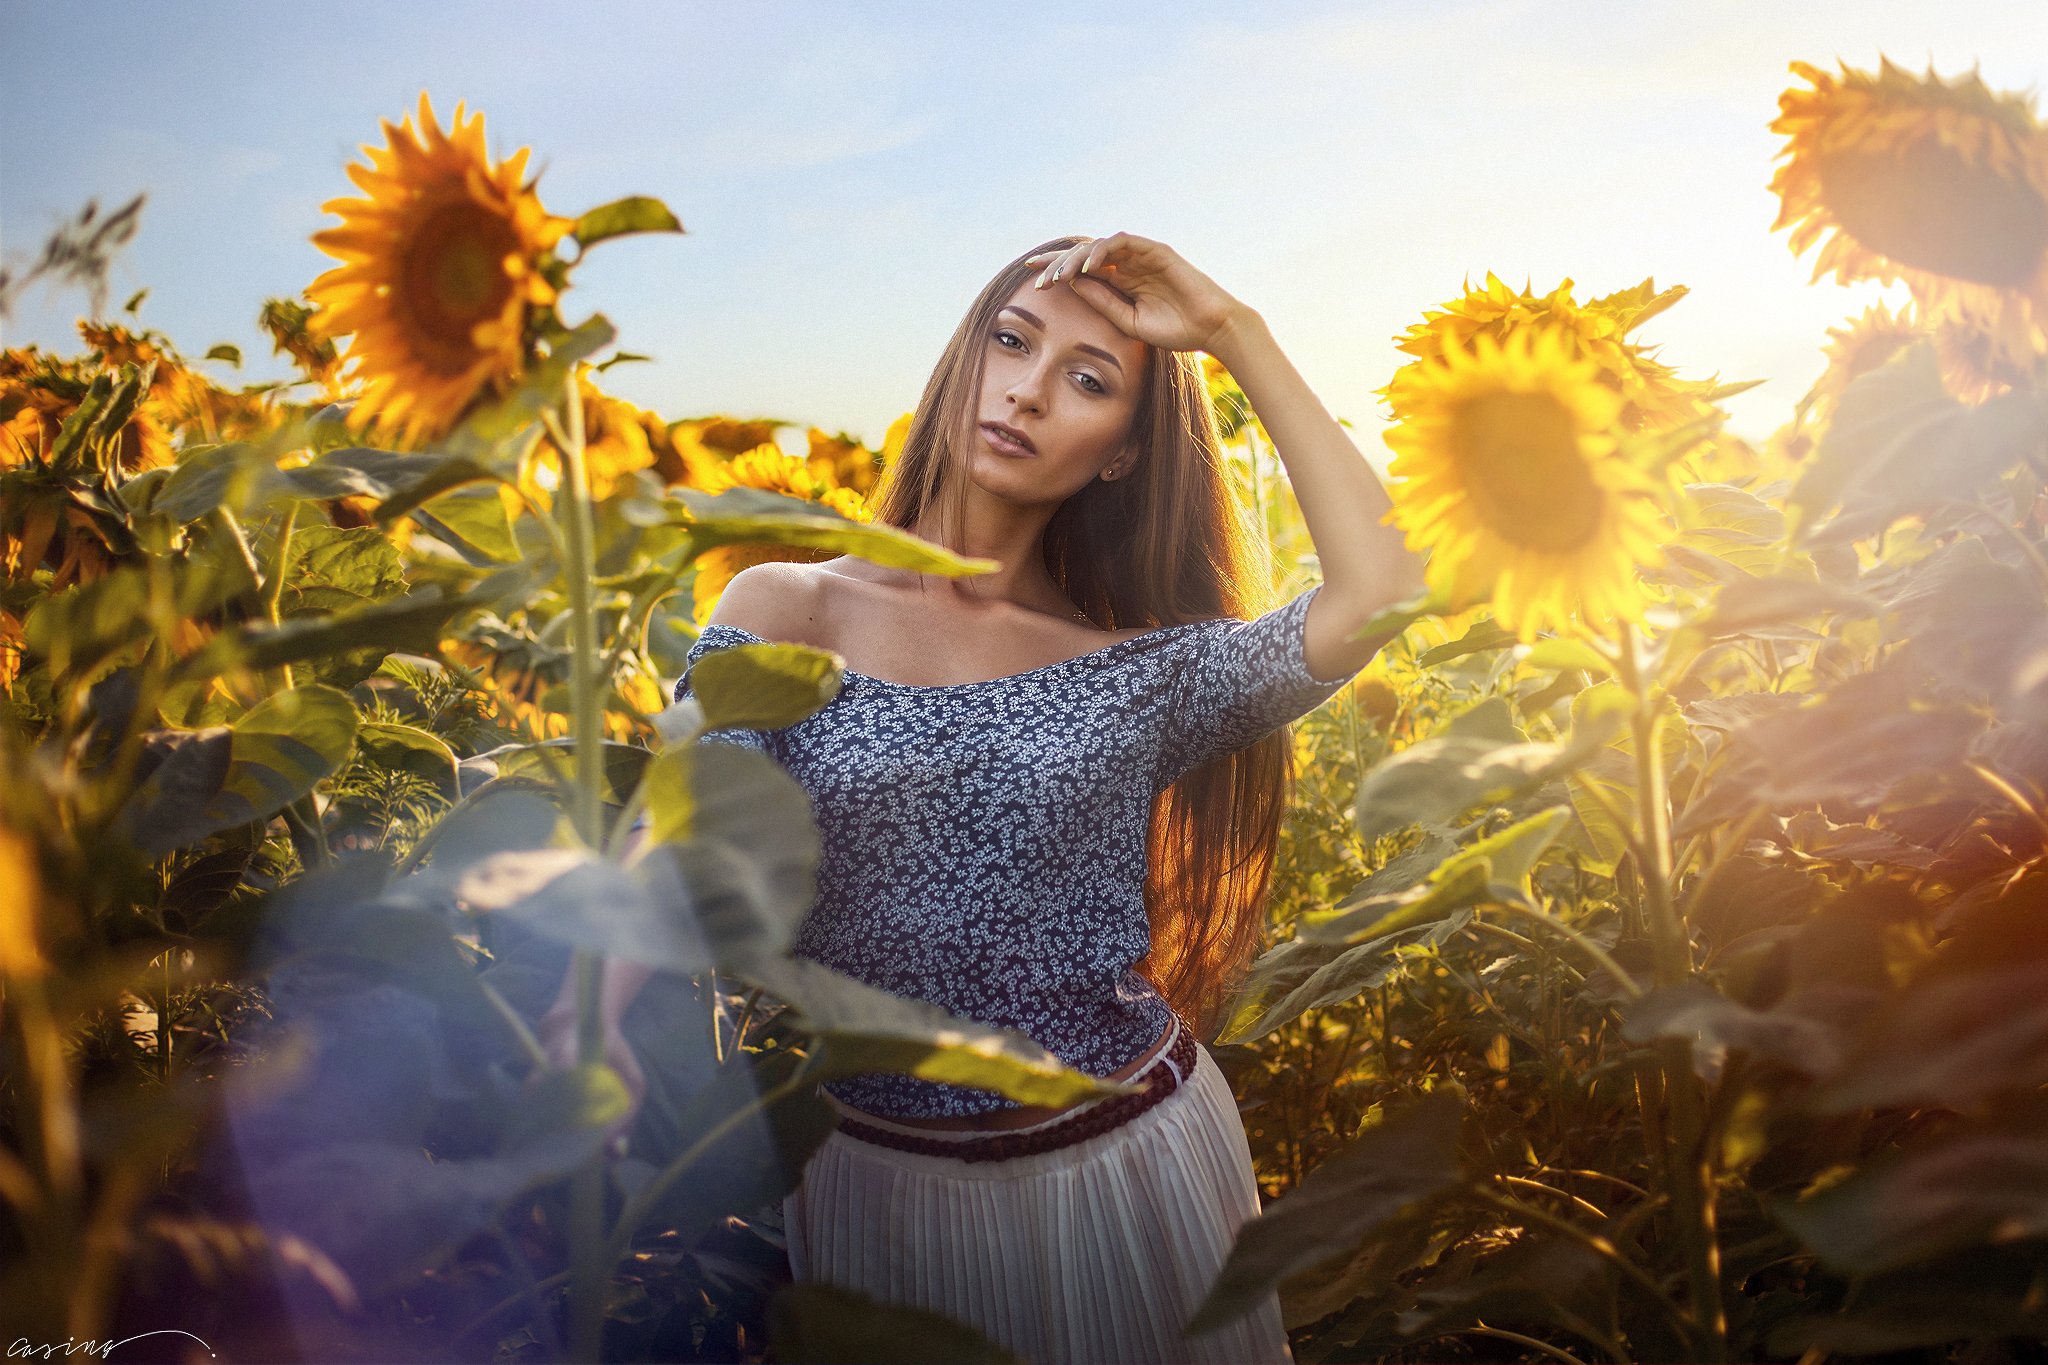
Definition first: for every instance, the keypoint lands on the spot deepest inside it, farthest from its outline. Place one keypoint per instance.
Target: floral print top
(984, 843)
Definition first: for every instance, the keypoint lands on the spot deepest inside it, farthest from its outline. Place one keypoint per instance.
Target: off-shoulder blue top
(984, 843)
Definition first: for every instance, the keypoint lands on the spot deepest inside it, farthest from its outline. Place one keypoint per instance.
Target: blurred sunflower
(1652, 394)
(289, 324)
(843, 461)
(1941, 184)
(39, 391)
(1855, 349)
(180, 398)
(617, 440)
(766, 467)
(1979, 356)
(1505, 475)
(444, 260)
(1983, 355)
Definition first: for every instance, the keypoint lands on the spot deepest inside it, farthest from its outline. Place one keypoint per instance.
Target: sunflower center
(1521, 463)
(454, 277)
(1926, 207)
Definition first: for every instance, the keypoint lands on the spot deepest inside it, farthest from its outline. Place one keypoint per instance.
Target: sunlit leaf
(1389, 1168)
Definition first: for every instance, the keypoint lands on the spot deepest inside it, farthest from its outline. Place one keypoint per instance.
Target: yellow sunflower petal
(1940, 184)
(1505, 475)
(433, 312)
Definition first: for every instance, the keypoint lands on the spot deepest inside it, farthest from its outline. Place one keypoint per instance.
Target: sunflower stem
(589, 1262)
(1686, 1169)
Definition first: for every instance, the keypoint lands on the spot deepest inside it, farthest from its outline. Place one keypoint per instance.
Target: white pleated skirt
(1094, 1252)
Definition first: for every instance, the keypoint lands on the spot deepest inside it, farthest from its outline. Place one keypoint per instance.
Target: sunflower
(1983, 355)
(1979, 355)
(1854, 350)
(444, 259)
(617, 440)
(38, 392)
(289, 324)
(1940, 184)
(768, 468)
(1506, 475)
(1653, 395)
(844, 461)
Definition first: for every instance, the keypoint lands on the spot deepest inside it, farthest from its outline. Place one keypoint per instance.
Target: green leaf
(400, 481)
(1306, 974)
(473, 522)
(576, 897)
(1562, 653)
(1977, 1186)
(1971, 619)
(243, 774)
(1868, 731)
(109, 401)
(282, 746)
(815, 1323)
(1480, 757)
(1408, 1160)
(1697, 1013)
(1540, 1282)
(1954, 1040)
(1455, 888)
(334, 568)
(755, 1163)
(740, 832)
(625, 765)
(763, 686)
(493, 820)
(860, 1028)
(407, 748)
(411, 624)
(745, 516)
(402, 1210)
(229, 475)
(1900, 444)
(1980, 1295)
(1750, 605)
(79, 629)
(1610, 770)
(635, 213)
(227, 351)
(581, 1100)
(1400, 615)
(1482, 635)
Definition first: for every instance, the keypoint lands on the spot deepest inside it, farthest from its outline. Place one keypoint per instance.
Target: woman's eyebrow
(1033, 319)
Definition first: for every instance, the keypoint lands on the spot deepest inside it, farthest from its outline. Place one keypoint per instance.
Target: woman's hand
(556, 1033)
(1146, 288)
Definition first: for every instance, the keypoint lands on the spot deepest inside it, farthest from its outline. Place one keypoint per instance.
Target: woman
(1049, 797)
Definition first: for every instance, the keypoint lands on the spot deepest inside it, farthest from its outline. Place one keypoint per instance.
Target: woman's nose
(1028, 390)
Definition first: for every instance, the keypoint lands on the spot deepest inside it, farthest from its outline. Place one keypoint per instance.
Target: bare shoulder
(777, 600)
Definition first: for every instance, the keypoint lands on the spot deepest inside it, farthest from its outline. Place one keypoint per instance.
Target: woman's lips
(1003, 443)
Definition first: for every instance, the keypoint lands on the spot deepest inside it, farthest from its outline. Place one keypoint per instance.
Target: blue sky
(851, 174)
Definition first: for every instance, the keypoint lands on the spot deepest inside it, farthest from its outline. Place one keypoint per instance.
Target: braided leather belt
(1158, 1081)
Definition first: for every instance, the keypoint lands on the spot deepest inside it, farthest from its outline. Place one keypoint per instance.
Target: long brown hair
(1162, 545)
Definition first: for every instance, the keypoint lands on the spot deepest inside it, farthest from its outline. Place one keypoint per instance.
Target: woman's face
(1066, 378)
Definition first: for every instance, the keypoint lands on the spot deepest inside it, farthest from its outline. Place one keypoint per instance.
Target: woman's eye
(1012, 336)
(1091, 383)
